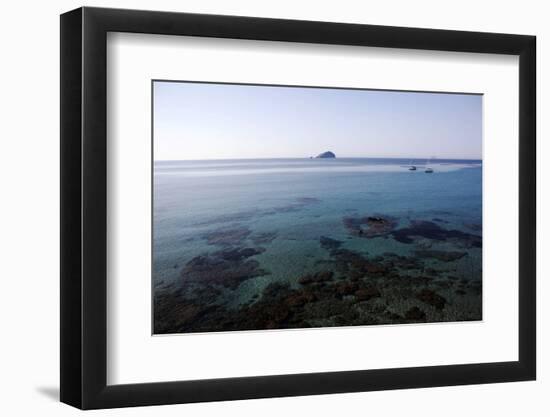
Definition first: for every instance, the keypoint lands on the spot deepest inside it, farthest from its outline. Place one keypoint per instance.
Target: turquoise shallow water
(285, 206)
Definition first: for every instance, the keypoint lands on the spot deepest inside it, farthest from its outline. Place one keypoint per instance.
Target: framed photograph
(256, 208)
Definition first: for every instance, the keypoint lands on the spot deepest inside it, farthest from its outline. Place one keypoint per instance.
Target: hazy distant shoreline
(417, 161)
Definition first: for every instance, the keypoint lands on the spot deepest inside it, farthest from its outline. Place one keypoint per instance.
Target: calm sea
(286, 205)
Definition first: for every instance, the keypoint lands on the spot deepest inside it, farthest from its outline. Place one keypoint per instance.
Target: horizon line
(338, 157)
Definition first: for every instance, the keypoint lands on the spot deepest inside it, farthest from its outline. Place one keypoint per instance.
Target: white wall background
(29, 237)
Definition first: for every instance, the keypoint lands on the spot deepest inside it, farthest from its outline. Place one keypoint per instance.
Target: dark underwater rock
(366, 293)
(276, 291)
(300, 298)
(476, 227)
(344, 288)
(431, 298)
(415, 314)
(173, 314)
(430, 230)
(348, 318)
(322, 276)
(440, 255)
(356, 266)
(238, 254)
(328, 243)
(228, 268)
(369, 226)
(227, 236)
(262, 238)
(326, 308)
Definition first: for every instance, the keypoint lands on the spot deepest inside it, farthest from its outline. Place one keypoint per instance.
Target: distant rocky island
(327, 154)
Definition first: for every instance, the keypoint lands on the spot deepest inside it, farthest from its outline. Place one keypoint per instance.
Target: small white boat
(428, 169)
(412, 167)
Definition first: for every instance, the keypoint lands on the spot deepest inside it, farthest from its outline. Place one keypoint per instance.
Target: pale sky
(219, 121)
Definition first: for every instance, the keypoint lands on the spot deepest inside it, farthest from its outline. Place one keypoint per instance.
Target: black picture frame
(84, 207)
